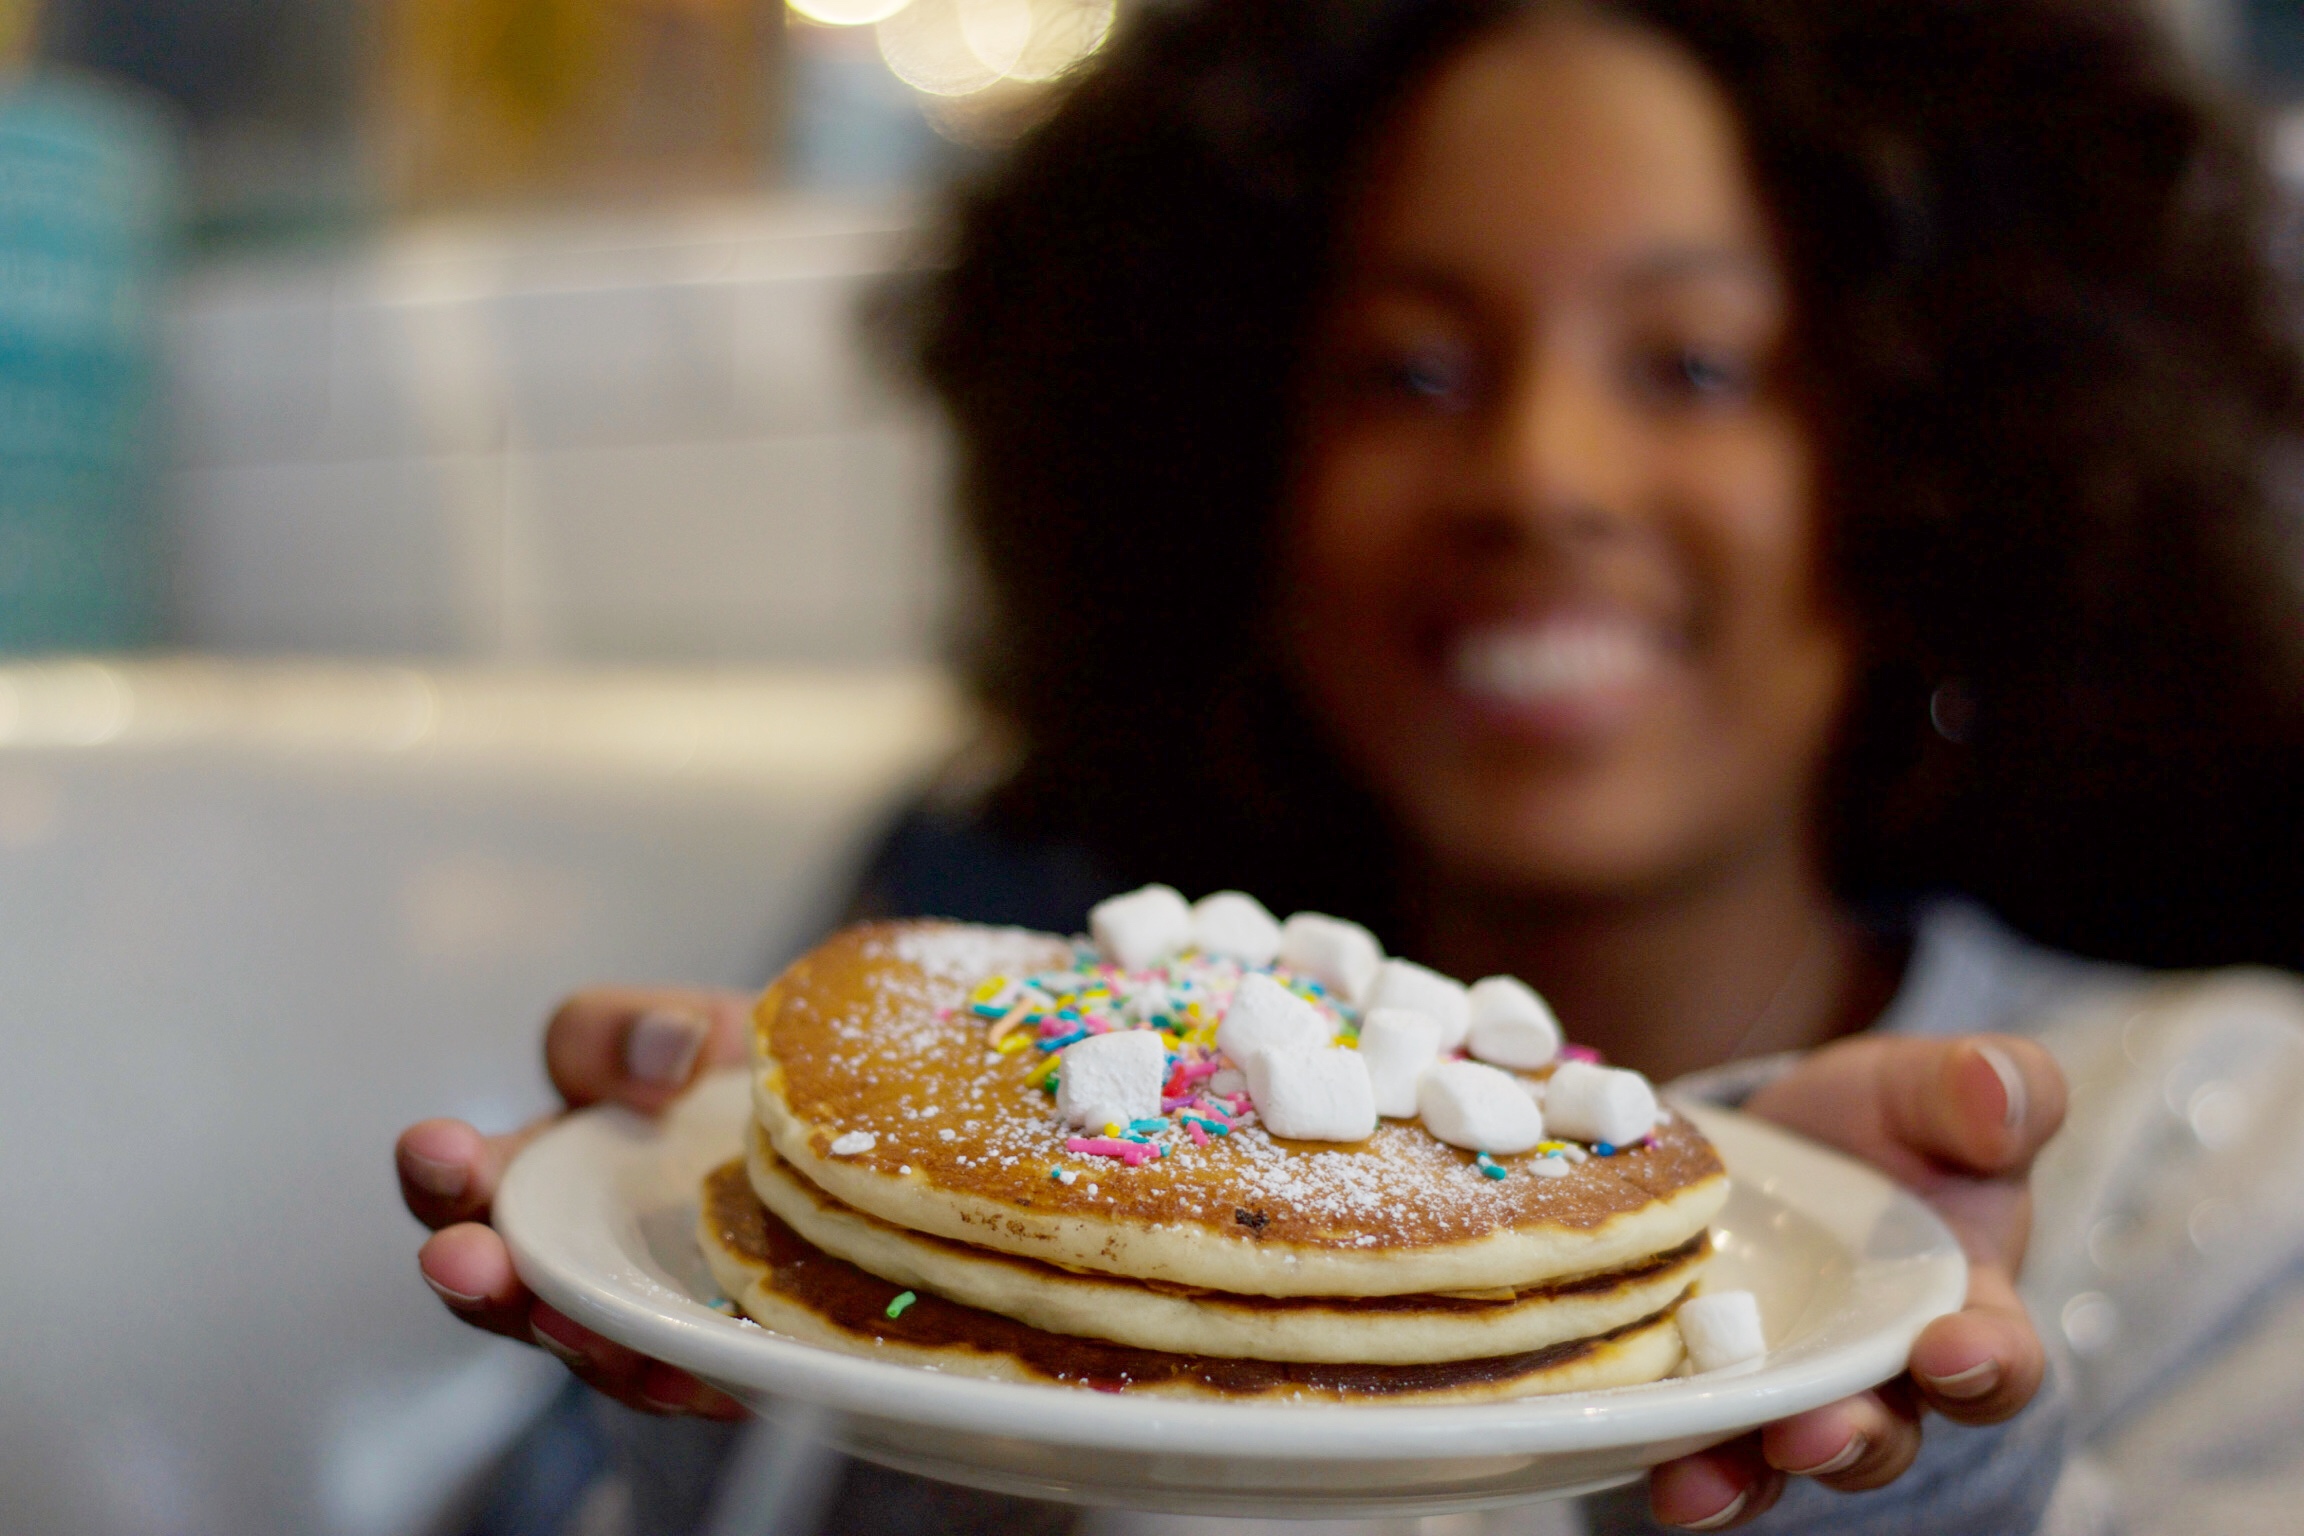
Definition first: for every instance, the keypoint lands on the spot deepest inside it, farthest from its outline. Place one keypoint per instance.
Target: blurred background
(453, 545)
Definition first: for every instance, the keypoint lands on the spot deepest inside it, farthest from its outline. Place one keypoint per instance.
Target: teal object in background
(87, 214)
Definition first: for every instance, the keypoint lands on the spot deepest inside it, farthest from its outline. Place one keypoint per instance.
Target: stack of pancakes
(909, 1193)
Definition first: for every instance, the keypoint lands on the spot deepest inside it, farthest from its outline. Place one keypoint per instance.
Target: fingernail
(662, 1046)
(447, 1180)
(1725, 1515)
(660, 1403)
(457, 1299)
(1848, 1456)
(567, 1353)
(1961, 1386)
(2011, 1084)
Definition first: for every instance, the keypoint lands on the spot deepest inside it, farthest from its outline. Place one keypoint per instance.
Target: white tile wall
(590, 440)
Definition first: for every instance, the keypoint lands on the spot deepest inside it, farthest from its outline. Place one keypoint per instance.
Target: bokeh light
(952, 48)
(1064, 32)
(847, 13)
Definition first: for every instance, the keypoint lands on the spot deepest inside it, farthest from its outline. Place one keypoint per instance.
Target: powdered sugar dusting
(965, 953)
(878, 1046)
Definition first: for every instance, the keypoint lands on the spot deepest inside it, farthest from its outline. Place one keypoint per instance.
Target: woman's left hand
(1958, 1122)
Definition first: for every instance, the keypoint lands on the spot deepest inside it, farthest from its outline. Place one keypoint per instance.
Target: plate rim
(607, 1140)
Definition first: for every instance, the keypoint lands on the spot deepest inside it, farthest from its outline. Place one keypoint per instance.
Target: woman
(1627, 495)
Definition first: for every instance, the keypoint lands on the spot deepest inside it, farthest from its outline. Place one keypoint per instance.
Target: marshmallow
(1511, 1026)
(1398, 1044)
(1405, 984)
(1147, 1003)
(1721, 1328)
(1111, 1077)
(1341, 956)
(1235, 926)
(1141, 928)
(1264, 1016)
(1593, 1103)
(1313, 1095)
(1478, 1108)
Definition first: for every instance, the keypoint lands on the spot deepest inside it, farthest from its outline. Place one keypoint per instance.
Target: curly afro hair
(2036, 291)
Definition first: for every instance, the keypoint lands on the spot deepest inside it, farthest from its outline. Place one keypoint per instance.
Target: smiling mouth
(1556, 663)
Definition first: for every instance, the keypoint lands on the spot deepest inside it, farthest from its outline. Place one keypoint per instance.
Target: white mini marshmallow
(1147, 1003)
(1398, 1044)
(1722, 1328)
(1478, 1108)
(1265, 1016)
(1141, 928)
(1511, 1025)
(1341, 956)
(1313, 1095)
(1111, 1077)
(1234, 926)
(1405, 984)
(1595, 1103)
(1228, 1081)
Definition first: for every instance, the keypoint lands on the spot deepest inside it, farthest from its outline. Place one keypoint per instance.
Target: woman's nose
(1558, 462)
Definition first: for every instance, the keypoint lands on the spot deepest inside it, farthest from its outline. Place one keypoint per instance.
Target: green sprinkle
(896, 1307)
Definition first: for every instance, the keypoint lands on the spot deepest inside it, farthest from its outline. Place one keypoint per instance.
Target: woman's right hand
(635, 1046)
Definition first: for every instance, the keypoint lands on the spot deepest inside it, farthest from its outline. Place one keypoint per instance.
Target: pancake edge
(1313, 1330)
(1195, 1255)
(1648, 1351)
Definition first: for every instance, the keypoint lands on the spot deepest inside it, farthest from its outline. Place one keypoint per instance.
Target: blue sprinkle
(1157, 1123)
(1493, 1171)
(1062, 1041)
(1604, 1149)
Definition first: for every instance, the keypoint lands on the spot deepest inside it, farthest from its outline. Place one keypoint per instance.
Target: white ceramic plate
(600, 1215)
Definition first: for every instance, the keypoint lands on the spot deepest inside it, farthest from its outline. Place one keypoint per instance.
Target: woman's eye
(1699, 375)
(1427, 378)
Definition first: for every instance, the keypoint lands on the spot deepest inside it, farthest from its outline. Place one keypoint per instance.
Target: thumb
(641, 1046)
(1921, 1108)
(1983, 1104)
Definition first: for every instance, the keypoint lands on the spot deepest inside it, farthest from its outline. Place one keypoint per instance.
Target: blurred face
(1551, 576)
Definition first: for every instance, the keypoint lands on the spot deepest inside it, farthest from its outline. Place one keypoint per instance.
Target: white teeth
(1527, 664)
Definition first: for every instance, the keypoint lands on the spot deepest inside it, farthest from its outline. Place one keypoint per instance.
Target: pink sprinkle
(1216, 1109)
(1199, 1136)
(1190, 1072)
(1129, 1152)
(1098, 1025)
(1579, 1053)
(1052, 1026)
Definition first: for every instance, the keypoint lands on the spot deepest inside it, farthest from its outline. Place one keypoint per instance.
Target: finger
(600, 1363)
(449, 1171)
(1986, 1104)
(624, 1374)
(1716, 1489)
(669, 1390)
(470, 1270)
(641, 1046)
(1860, 1442)
(1918, 1108)
(1984, 1363)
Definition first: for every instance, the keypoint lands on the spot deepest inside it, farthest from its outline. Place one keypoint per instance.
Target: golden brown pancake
(1358, 1330)
(786, 1284)
(871, 1033)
